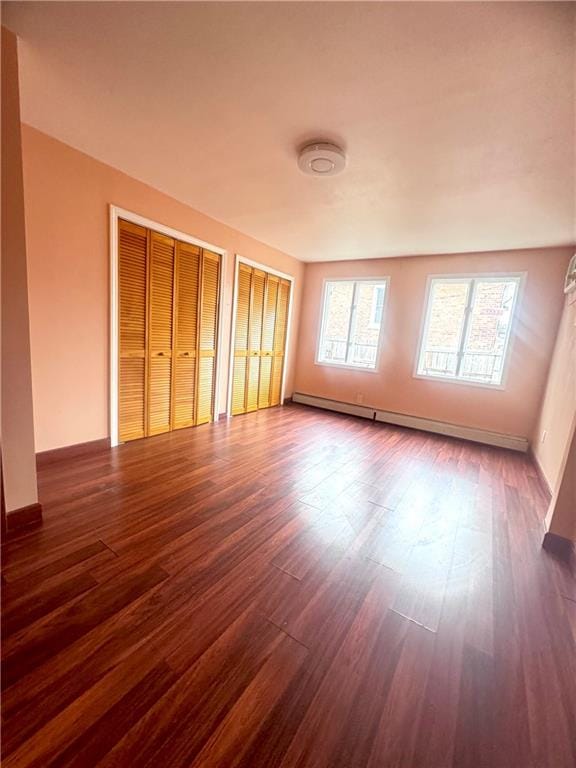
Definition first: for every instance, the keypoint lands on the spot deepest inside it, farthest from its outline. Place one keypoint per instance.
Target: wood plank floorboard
(289, 589)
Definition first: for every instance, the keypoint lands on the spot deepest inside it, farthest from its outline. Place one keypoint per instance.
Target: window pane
(337, 310)
(377, 305)
(439, 356)
(487, 333)
(366, 325)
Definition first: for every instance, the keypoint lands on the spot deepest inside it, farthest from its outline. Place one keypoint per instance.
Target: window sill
(347, 367)
(460, 382)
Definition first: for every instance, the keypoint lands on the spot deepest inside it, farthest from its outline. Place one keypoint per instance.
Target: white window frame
(473, 279)
(321, 325)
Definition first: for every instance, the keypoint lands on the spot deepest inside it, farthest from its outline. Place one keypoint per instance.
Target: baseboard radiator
(334, 405)
(416, 422)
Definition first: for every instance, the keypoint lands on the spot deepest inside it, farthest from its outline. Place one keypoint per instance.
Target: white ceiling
(458, 118)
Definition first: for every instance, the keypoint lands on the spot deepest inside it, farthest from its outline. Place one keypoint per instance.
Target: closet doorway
(166, 306)
(261, 321)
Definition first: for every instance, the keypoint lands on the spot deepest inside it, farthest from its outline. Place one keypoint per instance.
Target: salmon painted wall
(67, 194)
(16, 423)
(561, 517)
(512, 410)
(551, 439)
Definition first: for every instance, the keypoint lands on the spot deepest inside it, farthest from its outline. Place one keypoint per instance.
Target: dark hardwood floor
(289, 588)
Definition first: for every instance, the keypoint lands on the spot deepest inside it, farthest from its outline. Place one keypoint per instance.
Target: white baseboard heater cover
(417, 422)
(454, 430)
(334, 405)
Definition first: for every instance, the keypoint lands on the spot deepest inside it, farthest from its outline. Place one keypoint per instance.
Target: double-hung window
(467, 328)
(351, 322)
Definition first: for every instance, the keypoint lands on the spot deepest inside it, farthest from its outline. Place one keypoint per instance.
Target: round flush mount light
(321, 159)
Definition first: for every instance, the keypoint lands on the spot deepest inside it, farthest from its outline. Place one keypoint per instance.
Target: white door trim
(242, 260)
(115, 213)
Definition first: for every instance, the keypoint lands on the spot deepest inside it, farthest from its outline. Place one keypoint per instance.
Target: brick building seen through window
(351, 322)
(467, 328)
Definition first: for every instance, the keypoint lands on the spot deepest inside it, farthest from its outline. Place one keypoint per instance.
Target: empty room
(288, 385)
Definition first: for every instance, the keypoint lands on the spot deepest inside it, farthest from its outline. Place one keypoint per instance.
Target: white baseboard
(334, 405)
(454, 430)
(497, 439)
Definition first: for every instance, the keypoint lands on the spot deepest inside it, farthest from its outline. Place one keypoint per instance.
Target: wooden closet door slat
(132, 279)
(255, 338)
(208, 336)
(280, 333)
(186, 304)
(160, 331)
(241, 340)
(267, 348)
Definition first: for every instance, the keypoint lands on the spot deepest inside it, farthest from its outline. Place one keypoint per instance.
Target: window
(351, 321)
(377, 306)
(467, 328)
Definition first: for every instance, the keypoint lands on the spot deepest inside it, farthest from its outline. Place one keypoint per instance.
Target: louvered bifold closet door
(186, 306)
(280, 331)
(208, 333)
(132, 279)
(267, 346)
(161, 307)
(241, 340)
(255, 338)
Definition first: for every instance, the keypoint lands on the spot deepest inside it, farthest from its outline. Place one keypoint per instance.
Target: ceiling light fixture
(321, 159)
